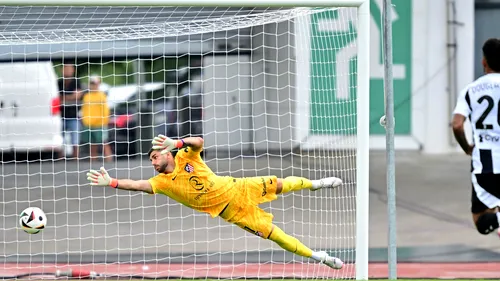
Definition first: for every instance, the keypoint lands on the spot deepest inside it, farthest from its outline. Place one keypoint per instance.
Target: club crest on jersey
(189, 168)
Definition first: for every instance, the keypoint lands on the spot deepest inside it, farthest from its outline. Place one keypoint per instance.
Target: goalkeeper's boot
(332, 182)
(330, 261)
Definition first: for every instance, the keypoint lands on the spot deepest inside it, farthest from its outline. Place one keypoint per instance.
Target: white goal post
(323, 146)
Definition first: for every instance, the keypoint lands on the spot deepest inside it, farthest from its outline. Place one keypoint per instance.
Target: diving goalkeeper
(188, 180)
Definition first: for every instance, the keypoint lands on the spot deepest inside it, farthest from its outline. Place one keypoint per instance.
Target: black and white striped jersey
(480, 102)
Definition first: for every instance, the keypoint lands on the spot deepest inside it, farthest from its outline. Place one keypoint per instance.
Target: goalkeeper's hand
(101, 178)
(166, 144)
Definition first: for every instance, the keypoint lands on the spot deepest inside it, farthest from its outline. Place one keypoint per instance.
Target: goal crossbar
(206, 3)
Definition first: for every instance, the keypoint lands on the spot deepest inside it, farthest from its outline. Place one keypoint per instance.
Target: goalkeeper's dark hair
(174, 152)
(491, 53)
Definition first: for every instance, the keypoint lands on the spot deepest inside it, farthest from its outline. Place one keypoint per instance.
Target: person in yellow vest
(187, 179)
(95, 117)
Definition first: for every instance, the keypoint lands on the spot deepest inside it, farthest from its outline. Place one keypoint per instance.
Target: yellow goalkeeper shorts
(243, 210)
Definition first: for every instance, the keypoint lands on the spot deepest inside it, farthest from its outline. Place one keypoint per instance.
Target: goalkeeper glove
(101, 178)
(166, 144)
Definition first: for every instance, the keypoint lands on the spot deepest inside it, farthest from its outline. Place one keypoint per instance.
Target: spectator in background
(70, 95)
(95, 118)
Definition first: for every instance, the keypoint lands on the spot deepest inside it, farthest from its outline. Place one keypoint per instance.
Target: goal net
(273, 91)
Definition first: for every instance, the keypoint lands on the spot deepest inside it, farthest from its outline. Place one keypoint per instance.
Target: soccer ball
(32, 220)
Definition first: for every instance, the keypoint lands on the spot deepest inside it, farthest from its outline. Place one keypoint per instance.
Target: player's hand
(163, 143)
(100, 177)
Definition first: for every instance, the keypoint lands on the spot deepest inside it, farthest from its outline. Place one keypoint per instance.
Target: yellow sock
(295, 183)
(290, 243)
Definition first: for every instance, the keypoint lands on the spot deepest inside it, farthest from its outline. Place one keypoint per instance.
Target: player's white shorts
(485, 192)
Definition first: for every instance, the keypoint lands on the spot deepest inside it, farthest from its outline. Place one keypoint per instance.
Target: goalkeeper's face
(163, 163)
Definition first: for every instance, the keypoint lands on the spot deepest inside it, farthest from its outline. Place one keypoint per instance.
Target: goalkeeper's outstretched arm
(102, 178)
(196, 143)
(166, 144)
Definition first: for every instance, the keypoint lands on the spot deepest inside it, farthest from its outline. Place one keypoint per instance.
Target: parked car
(29, 113)
(190, 111)
(175, 111)
(128, 112)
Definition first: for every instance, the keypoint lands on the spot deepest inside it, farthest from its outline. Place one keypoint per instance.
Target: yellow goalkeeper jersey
(193, 184)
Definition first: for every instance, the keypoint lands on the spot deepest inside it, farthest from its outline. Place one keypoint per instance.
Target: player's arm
(462, 110)
(102, 178)
(459, 133)
(166, 144)
(196, 143)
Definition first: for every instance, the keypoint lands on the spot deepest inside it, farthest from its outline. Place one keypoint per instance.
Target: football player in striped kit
(480, 102)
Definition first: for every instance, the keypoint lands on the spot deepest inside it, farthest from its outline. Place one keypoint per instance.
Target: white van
(29, 112)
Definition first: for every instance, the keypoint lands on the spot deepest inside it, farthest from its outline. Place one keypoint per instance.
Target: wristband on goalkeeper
(180, 143)
(113, 183)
